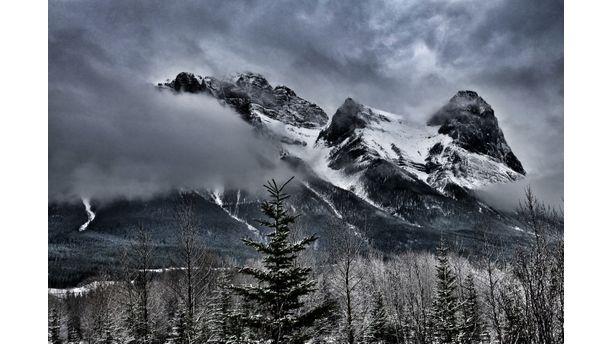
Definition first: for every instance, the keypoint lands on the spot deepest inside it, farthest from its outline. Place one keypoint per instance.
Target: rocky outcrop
(472, 124)
(252, 96)
(347, 118)
(187, 82)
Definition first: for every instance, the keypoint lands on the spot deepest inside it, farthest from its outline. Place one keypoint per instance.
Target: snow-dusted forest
(349, 293)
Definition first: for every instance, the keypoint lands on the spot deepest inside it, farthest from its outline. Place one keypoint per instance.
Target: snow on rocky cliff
(461, 146)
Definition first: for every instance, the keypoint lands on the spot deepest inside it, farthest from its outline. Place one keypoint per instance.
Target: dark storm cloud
(407, 57)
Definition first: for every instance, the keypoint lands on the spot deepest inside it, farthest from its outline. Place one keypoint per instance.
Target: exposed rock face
(466, 152)
(472, 124)
(187, 82)
(348, 117)
(252, 96)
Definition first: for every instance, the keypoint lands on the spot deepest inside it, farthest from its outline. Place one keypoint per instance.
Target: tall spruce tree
(445, 305)
(182, 331)
(472, 325)
(378, 330)
(279, 314)
(102, 330)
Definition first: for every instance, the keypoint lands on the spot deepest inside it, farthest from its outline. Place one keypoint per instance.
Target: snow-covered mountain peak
(461, 146)
(464, 103)
(348, 117)
(472, 124)
(352, 116)
(255, 99)
(359, 136)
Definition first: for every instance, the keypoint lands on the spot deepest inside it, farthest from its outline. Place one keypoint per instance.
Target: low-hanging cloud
(112, 134)
(508, 197)
(407, 57)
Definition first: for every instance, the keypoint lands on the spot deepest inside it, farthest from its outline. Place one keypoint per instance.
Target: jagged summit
(186, 82)
(251, 95)
(464, 103)
(250, 81)
(349, 117)
(471, 122)
(460, 147)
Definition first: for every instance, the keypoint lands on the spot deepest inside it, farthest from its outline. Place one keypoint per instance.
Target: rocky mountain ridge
(460, 147)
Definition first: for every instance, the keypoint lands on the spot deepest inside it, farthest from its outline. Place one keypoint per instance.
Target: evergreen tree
(74, 330)
(279, 315)
(129, 320)
(54, 327)
(379, 329)
(514, 329)
(98, 316)
(429, 330)
(445, 305)
(182, 331)
(328, 327)
(175, 331)
(472, 325)
(102, 332)
(221, 317)
(237, 330)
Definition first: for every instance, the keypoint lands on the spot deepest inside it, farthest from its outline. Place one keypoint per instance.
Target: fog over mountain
(112, 133)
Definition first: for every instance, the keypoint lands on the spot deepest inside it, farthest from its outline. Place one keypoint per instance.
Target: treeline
(347, 294)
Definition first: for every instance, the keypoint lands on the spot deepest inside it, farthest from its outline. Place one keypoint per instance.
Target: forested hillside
(348, 293)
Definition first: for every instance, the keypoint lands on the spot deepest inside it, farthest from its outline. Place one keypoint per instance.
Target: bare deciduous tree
(348, 246)
(190, 280)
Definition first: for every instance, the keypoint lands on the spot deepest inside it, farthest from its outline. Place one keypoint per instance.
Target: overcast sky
(106, 124)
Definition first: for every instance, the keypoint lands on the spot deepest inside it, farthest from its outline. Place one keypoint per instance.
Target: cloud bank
(112, 134)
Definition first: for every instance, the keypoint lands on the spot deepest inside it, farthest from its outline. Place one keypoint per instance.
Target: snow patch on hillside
(216, 197)
(324, 199)
(78, 291)
(90, 214)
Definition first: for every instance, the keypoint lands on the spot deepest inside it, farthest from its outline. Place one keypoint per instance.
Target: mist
(507, 197)
(113, 134)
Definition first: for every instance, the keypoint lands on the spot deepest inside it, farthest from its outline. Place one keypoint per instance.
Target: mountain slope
(359, 135)
(397, 184)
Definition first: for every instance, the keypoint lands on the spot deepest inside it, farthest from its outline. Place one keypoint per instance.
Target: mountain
(252, 96)
(398, 184)
(442, 154)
